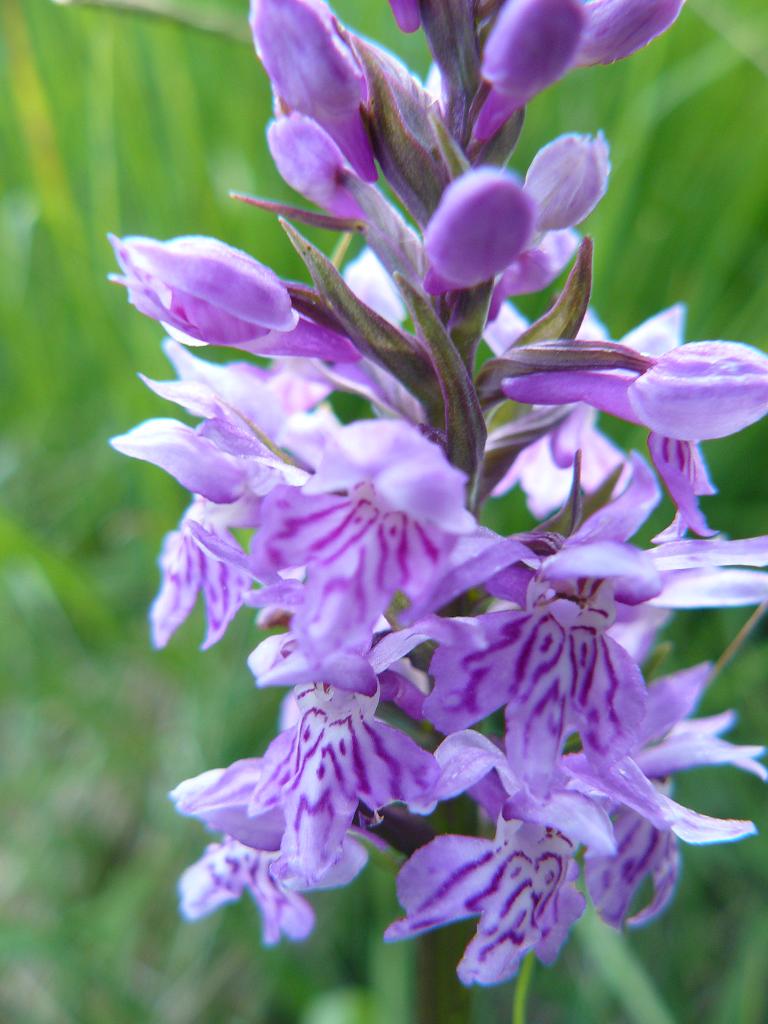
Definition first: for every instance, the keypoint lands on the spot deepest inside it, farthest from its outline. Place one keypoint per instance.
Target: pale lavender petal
(617, 28)
(203, 288)
(311, 163)
(536, 268)
(475, 558)
(682, 468)
(658, 334)
(695, 554)
(712, 588)
(193, 460)
(567, 178)
(625, 514)
(465, 758)
(371, 283)
(220, 799)
(692, 827)
(690, 745)
(505, 328)
(306, 339)
(403, 693)
(636, 628)
(702, 390)
(578, 816)
(671, 699)
(633, 572)
(462, 240)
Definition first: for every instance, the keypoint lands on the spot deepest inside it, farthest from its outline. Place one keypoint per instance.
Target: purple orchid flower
(668, 743)
(227, 870)
(337, 755)
(567, 179)
(521, 884)
(380, 515)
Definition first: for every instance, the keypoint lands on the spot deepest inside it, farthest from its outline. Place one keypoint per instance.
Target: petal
(682, 468)
(703, 390)
(196, 462)
(617, 28)
(567, 178)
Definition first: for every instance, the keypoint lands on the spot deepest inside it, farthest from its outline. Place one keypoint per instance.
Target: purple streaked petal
(613, 881)
(682, 468)
(702, 390)
(226, 871)
(442, 882)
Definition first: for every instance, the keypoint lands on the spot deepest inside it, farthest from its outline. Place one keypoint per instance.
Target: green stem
(522, 988)
(440, 996)
(740, 639)
(213, 22)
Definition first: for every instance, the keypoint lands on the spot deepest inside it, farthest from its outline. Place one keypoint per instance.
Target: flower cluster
(428, 658)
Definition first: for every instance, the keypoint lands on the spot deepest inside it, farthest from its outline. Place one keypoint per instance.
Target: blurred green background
(125, 124)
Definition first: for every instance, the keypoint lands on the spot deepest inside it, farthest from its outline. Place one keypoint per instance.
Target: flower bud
(617, 28)
(407, 14)
(703, 390)
(567, 178)
(483, 222)
(314, 71)
(203, 289)
(531, 45)
(311, 163)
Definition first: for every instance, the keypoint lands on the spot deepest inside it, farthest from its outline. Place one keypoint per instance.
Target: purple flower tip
(532, 44)
(484, 220)
(314, 72)
(567, 179)
(617, 28)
